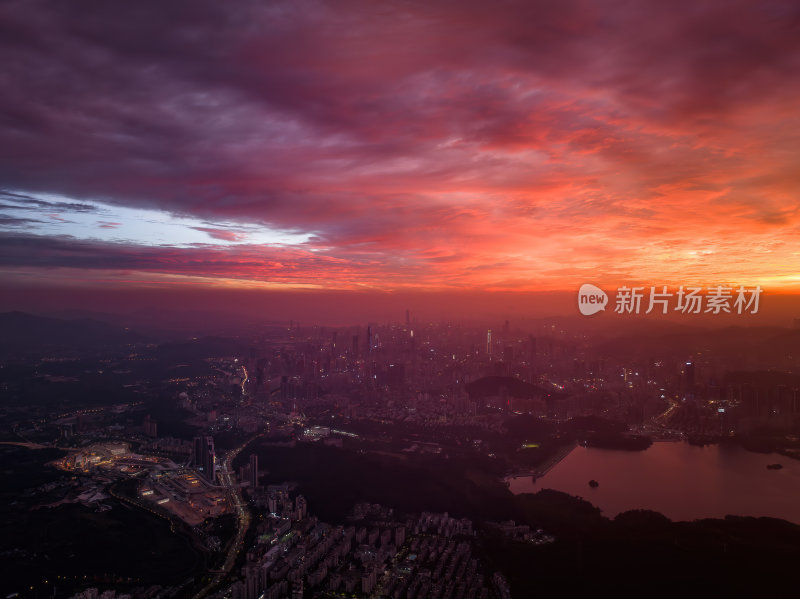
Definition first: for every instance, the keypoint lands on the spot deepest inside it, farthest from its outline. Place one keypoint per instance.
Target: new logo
(591, 299)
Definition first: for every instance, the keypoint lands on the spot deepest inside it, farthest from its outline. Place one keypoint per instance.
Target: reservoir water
(682, 481)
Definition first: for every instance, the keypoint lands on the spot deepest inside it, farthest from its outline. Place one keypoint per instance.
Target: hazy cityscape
(384, 459)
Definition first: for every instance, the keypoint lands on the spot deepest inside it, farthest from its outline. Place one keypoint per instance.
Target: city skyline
(312, 460)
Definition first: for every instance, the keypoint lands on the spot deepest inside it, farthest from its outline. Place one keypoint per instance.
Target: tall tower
(253, 471)
(150, 427)
(688, 378)
(301, 507)
(489, 343)
(203, 457)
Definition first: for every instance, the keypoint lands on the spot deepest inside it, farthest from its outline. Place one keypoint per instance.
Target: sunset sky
(397, 146)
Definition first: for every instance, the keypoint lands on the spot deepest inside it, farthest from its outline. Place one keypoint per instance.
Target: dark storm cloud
(128, 101)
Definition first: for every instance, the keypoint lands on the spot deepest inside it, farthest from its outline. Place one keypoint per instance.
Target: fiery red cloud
(469, 145)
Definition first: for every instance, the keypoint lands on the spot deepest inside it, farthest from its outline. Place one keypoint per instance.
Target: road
(663, 418)
(235, 500)
(28, 444)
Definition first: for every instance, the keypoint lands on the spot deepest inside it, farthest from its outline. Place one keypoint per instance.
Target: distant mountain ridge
(23, 333)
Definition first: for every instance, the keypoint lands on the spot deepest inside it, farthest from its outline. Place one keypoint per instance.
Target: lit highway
(27, 444)
(235, 500)
(244, 379)
(663, 418)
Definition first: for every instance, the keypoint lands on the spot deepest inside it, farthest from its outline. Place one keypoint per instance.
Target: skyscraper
(531, 349)
(253, 471)
(150, 427)
(301, 507)
(688, 378)
(203, 457)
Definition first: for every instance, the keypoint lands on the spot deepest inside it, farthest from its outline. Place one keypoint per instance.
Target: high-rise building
(253, 471)
(395, 375)
(150, 427)
(688, 377)
(301, 507)
(238, 590)
(508, 353)
(203, 457)
(531, 349)
(297, 589)
(399, 536)
(489, 343)
(251, 581)
(368, 579)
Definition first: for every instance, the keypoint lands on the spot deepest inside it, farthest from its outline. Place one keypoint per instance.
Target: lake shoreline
(682, 481)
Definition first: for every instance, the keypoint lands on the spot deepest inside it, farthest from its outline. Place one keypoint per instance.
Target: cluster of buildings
(97, 456)
(419, 374)
(296, 555)
(184, 493)
(152, 592)
(522, 532)
(179, 450)
(188, 493)
(94, 593)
